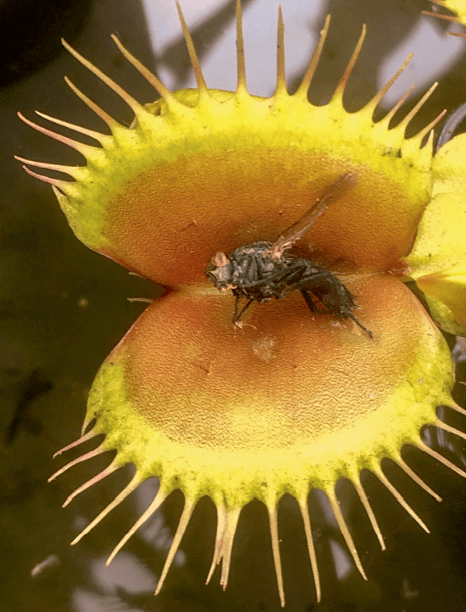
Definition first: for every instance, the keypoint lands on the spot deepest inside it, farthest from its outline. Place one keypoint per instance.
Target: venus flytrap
(260, 412)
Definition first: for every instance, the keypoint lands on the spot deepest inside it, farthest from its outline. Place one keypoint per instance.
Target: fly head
(220, 271)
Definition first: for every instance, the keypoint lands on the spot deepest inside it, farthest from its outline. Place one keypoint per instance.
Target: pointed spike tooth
(45, 179)
(74, 144)
(184, 520)
(219, 540)
(430, 142)
(281, 76)
(276, 552)
(39, 164)
(150, 77)
(130, 487)
(405, 467)
(388, 117)
(153, 507)
(62, 199)
(93, 453)
(370, 513)
(455, 406)
(57, 167)
(380, 94)
(450, 429)
(113, 467)
(110, 121)
(85, 425)
(420, 135)
(215, 561)
(345, 532)
(232, 517)
(307, 78)
(429, 451)
(404, 122)
(441, 16)
(241, 86)
(400, 499)
(72, 126)
(80, 440)
(349, 68)
(124, 95)
(310, 545)
(142, 300)
(201, 84)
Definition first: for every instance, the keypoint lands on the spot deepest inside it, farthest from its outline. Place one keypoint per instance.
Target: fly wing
(298, 229)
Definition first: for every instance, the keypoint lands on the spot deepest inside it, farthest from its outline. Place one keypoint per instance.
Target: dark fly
(264, 270)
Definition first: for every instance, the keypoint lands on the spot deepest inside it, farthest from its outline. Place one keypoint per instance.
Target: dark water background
(63, 308)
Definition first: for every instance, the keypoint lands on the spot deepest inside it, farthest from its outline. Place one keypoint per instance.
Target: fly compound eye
(219, 260)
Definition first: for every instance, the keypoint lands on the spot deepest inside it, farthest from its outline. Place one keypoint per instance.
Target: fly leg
(312, 307)
(239, 313)
(353, 318)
